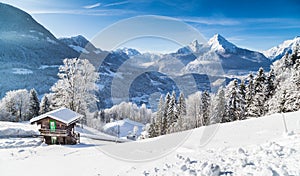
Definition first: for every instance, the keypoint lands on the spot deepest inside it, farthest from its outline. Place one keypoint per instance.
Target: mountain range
(30, 56)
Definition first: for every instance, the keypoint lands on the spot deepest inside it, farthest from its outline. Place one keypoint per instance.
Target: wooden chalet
(57, 126)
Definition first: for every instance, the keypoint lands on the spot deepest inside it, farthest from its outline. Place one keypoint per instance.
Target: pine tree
(181, 105)
(287, 60)
(294, 55)
(257, 107)
(181, 113)
(292, 100)
(152, 130)
(165, 121)
(219, 107)
(205, 108)
(234, 109)
(249, 94)
(171, 115)
(102, 116)
(160, 116)
(34, 104)
(45, 105)
(242, 97)
(270, 86)
(259, 81)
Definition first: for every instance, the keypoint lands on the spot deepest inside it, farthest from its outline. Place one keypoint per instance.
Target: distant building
(57, 126)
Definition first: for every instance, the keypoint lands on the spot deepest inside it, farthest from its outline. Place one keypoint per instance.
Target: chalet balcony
(57, 132)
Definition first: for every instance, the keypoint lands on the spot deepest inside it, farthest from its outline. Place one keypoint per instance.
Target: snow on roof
(63, 114)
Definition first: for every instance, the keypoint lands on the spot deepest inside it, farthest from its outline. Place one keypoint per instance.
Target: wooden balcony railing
(56, 132)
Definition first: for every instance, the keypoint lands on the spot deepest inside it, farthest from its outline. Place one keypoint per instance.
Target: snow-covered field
(257, 146)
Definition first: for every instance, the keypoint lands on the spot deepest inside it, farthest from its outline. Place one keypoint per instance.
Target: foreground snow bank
(257, 146)
(276, 158)
(12, 129)
(10, 133)
(19, 142)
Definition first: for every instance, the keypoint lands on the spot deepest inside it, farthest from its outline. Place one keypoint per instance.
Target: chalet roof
(63, 114)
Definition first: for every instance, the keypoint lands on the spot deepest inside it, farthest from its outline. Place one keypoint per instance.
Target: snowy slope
(278, 52)
(81, 45)
(125, 126)
(257, 146)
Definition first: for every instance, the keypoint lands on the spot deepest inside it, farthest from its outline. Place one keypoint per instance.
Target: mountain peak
(279, 51)
(220, 44)
(78, 40)
(194, 46)
(129, 51)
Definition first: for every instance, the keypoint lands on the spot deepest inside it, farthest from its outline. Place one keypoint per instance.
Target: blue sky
(252, 24)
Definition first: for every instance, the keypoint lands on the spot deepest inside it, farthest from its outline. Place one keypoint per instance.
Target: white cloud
(92, 6)
(91, 12)
(211, 21)
(116, 3)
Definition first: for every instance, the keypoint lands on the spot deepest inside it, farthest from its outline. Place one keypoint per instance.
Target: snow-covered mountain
(80, 44)
(129, 51)
(29, 53)
(220, 45)
(278, 52)
(193, 47)
(234, 60)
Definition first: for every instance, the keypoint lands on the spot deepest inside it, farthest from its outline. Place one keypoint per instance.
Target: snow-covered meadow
(258, 146)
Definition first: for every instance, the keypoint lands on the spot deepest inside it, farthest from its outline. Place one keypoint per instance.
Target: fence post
(284, 122)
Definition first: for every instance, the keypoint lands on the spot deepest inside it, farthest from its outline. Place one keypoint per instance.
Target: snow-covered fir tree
(205, 108)
(269, 88)
(257, 106)
(165, 121)
(181, 113)
(219, 107)
(292, 97)
(294, 56)
(181, 105)
(45, 105)
(171, 113)
(34, 104)
(160, 115)
(152, 131)
(242, 96)
(234, 102)
(249, 94)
